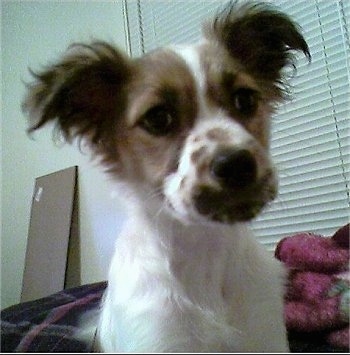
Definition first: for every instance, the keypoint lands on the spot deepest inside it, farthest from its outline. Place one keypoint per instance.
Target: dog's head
(190, 122)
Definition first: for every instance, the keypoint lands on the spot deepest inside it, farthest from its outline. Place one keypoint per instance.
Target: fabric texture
(318, 293)
(49, 324)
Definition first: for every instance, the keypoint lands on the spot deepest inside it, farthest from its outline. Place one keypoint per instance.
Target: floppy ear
(259, 37)
(83, 93)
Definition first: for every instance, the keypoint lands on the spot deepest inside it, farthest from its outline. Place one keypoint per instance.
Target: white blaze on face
(212, 128)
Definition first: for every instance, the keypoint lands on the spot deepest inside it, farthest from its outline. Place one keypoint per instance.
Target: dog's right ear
(84, 93)
(260, 37)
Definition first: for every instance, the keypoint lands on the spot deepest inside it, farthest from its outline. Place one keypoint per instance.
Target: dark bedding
(48, 324)
(316, 308)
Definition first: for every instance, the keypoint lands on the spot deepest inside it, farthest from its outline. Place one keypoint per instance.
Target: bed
(49, 324)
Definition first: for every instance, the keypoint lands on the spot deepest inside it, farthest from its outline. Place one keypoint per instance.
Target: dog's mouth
(231, 185)
(229, 206)
(221, 206)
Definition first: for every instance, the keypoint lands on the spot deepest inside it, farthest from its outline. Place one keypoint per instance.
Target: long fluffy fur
(186, 275)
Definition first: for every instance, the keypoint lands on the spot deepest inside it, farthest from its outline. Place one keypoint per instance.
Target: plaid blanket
(49, 324)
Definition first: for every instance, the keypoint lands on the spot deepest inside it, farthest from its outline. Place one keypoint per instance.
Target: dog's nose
(234, 168)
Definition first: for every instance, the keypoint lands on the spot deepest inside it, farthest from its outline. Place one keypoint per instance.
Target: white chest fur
(185, 288)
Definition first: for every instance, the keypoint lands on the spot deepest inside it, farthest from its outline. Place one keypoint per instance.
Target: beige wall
(33, 34)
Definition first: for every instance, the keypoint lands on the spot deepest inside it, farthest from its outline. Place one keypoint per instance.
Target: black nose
(234, 168)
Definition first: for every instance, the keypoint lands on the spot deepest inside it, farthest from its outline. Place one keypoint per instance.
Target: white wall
(34, 34)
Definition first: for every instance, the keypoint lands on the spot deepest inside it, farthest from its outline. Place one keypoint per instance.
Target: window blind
(310, 133)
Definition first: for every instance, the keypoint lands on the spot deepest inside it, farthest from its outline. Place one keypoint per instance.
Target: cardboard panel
(48, 237)
(73, 268)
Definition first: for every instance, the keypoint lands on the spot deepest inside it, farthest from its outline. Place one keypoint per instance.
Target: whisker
(156, 192)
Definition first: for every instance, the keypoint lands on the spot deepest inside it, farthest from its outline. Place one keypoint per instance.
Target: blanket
(317, 299)
(50, 323)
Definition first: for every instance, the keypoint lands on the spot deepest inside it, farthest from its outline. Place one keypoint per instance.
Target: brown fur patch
(224, 76)
(217, 134)
(99, 95)
(196, 155)
(85, 94)
(161, 79)
(202, 169)
(260, 37)
(182, 183)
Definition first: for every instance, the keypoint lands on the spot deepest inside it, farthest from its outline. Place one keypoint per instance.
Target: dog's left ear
(261, 38)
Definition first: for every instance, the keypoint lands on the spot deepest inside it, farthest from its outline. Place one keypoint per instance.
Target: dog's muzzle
(238, 195)
(234, 168)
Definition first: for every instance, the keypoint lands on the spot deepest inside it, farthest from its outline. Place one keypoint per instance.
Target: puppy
(185, 131)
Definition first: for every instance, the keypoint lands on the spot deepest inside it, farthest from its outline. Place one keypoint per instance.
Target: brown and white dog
(185, 129)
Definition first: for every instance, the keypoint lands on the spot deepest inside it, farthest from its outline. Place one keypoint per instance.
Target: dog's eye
(158, 121)
(245, 101)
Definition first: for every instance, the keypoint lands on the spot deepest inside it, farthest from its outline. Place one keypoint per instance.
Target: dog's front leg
(255, 287)
(266, 327)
